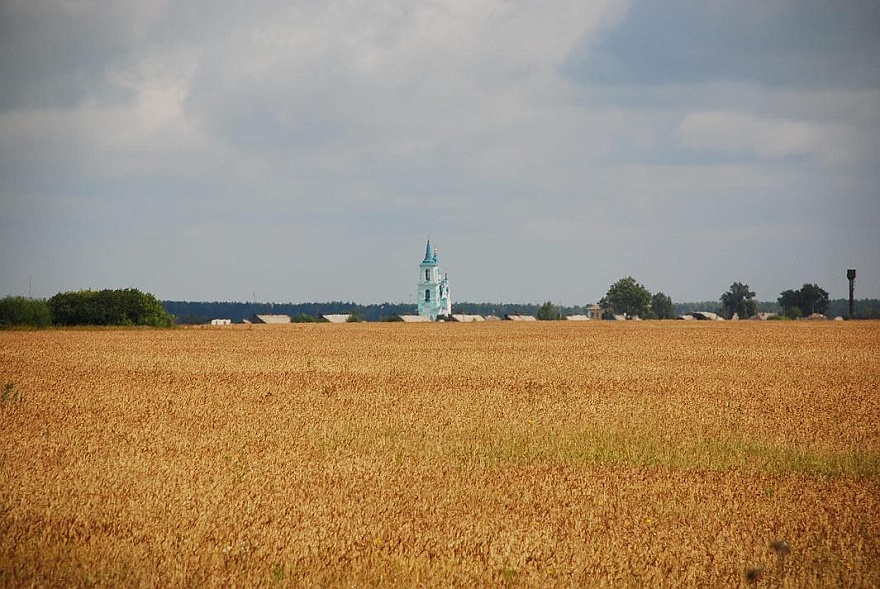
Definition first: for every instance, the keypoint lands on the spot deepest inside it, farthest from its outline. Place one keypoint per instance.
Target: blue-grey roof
(430, 256)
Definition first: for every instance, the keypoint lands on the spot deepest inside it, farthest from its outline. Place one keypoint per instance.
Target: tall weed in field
(10, 394)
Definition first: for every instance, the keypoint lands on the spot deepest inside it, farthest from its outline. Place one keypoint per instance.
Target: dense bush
(302, 318)
(24, 311)
(108, 307)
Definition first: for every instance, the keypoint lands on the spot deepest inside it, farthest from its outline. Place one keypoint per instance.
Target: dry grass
(601, 454)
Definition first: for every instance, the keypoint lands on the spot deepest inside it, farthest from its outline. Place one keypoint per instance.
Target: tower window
(427, 275)
(427, 295)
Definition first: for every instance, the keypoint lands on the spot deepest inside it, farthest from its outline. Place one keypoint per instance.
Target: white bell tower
(433, 289)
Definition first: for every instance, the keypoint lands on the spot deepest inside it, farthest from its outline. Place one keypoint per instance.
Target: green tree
(739, 300)
(548, 312)
(790, 301)
(24, 311)
(662, 307)
(153, 313)
(810, 298)
(626, 296)
(71, 308)
(814, 299)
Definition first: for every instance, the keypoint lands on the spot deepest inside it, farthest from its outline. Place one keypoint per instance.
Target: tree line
(624, 297)
(86, 307)
(199, 312)
(629, 298)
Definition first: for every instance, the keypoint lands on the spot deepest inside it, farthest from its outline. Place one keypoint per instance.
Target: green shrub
(24, 311)
(108, 307)
(793, 313)
(302, 318)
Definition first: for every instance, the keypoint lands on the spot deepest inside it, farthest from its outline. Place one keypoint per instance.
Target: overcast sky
(303, 150)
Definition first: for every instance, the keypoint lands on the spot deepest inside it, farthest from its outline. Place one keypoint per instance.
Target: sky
(294, 151)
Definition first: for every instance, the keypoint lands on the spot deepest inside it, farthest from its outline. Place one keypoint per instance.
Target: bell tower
(433, 289)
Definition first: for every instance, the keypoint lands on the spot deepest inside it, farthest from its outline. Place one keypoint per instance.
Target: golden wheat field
(601, 454)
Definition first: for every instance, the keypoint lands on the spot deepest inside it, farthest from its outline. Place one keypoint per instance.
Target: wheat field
(600, 454)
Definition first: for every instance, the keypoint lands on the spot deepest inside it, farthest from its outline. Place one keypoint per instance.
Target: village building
(463, 318)
(270, 319)
(336, 317)
(433, 289)
(593, 312)
(414, 319)
(515, 317)
(701, 316)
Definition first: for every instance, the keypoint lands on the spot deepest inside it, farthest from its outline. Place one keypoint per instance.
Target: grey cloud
(61, 54)
(806, 44)
(57, 55)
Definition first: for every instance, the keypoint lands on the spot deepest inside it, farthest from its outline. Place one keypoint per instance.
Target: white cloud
(741, 133)
(832, 144)
(413, 76)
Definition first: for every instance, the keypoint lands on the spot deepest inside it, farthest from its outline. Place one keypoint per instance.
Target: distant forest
(192, 312)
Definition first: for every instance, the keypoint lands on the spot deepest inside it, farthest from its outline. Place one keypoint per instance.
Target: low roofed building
(461, 318)
(336, 317)
(594, 311)
(271, 319)
(414, 319)
(702, 316)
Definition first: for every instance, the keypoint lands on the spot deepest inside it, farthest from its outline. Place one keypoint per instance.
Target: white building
(414, 319)
(433, 289)
(271, 319)
(336, 318)
(462, 318)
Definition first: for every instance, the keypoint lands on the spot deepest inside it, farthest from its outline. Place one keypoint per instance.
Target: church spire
(433, 287)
